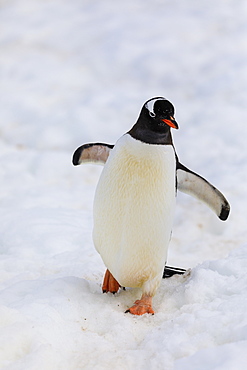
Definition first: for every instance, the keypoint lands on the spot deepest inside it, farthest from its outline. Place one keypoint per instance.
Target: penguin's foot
(110, 284)
(141, 306)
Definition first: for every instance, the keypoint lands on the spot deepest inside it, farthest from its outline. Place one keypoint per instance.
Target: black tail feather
(170, 271)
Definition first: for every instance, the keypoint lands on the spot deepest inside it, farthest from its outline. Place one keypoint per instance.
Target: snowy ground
(79, 71)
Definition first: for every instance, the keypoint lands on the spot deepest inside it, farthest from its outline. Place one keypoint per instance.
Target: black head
(155, 121)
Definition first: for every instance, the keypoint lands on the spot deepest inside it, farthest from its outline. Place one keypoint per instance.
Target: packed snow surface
(74, 72)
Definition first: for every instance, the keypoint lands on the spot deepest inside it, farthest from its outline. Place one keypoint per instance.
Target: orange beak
(171, 122)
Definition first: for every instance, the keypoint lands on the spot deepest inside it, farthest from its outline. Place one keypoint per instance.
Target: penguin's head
(159, 112)
(154, 123)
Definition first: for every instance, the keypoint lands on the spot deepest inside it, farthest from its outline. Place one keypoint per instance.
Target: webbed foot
(141, 306)
(110, 284)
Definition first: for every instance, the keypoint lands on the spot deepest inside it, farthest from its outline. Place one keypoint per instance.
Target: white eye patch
(150, 105)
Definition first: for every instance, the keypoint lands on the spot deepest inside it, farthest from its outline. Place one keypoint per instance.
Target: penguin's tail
(170, 271)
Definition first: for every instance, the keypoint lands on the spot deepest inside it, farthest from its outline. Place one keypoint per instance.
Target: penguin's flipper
(91, 153)
(193, 184)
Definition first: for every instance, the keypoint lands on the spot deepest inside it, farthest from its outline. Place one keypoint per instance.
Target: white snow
(74, 72)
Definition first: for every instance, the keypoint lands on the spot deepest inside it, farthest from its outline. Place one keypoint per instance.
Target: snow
(77, 72)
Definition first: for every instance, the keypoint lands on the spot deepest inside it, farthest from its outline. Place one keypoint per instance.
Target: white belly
(133, 210)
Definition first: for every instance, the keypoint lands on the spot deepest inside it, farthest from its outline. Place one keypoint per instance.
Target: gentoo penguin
(135, 201)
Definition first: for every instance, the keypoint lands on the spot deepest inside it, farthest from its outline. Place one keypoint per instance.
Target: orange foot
(144, 305)
(110, 284)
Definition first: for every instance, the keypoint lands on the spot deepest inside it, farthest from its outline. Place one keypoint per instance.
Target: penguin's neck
(141, 131)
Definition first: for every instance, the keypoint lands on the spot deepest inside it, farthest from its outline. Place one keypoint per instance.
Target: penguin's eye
(152, 114)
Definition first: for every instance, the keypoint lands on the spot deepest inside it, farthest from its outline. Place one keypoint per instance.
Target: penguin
(135, 201)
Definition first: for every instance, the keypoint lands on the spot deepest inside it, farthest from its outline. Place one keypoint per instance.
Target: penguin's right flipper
(193, 184)
(92, 153)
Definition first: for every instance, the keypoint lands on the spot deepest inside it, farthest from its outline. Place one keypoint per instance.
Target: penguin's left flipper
(193, 184)
(92, 153)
